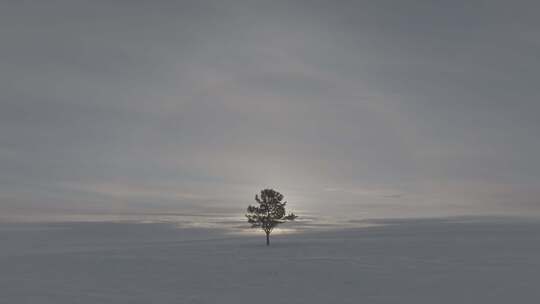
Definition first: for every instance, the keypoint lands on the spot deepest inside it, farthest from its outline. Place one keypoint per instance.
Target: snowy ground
(409, 261)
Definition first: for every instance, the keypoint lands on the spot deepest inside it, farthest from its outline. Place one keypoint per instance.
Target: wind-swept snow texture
(412, 261)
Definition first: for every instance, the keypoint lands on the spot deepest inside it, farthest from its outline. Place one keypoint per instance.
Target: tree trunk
(267, 239)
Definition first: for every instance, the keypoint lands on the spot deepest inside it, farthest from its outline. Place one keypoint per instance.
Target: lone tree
(269, 213)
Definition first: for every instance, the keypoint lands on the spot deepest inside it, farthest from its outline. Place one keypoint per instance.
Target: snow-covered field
(405, 261)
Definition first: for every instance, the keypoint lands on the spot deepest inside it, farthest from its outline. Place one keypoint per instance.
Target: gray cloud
(409, 108)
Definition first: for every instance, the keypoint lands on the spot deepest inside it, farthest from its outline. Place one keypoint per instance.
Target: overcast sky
(365, 108)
